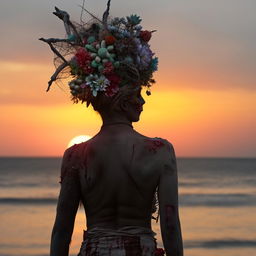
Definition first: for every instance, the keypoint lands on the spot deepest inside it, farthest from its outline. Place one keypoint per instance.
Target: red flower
(113, 78)
(88, 69)
(108, 68)
(159, 252)
(110, 39)
(113, 88)
(145, 35)
(83, 57)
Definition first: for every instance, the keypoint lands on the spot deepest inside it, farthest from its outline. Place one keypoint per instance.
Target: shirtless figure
(115, 175)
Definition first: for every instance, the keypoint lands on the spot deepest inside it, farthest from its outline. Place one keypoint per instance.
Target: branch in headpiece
(81, 15)
(53, 49)
(64, 16)
(106, 14)
(56, 73)
(56, 40)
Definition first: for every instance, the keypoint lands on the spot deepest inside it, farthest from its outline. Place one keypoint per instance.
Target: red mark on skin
(154, 144)
(159, 252)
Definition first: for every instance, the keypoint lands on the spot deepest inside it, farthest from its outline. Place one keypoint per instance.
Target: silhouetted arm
(168, 203)
(68, 203)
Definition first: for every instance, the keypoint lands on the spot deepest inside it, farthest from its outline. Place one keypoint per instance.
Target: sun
(78, 139)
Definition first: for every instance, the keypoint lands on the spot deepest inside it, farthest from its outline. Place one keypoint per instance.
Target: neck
(116, 119)
(117, 123)
(120, 121)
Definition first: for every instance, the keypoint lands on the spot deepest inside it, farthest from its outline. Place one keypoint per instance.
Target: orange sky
(204, 99)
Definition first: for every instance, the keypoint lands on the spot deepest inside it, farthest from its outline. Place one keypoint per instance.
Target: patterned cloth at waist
(125, 241)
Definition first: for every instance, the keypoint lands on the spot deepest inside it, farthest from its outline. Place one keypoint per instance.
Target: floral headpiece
(103, 55)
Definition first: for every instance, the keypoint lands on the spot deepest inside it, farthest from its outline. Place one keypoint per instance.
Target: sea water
(217, 206)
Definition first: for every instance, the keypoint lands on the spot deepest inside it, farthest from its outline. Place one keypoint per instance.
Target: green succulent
(134, 19)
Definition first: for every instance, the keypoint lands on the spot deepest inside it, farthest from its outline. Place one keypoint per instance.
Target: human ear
(124, 104)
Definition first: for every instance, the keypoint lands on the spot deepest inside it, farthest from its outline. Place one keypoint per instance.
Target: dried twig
(53, 49)
(82, 11)
(56, 73)
(64, 16)
(57, 40)
(106, 13)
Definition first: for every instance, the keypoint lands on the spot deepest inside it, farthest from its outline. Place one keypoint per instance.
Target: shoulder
(72, 160)
(164, 152)
(159, 148)
(157, 144)
(74, 151)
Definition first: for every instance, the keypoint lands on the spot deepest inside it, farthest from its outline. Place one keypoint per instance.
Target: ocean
(217, 206)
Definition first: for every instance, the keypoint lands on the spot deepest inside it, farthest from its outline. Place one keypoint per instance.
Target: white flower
(102, 83)
(97, 83)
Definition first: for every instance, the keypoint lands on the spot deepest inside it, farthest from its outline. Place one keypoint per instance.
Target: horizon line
(212, 157)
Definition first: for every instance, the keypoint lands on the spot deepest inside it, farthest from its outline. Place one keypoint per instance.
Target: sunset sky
(204, 101)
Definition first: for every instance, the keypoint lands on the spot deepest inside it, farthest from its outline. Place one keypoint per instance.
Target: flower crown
(104, 55)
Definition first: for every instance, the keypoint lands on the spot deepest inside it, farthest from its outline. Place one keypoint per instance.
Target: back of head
(105, 105)
(108, 59)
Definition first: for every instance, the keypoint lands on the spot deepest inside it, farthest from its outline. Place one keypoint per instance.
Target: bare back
(115, 175)
(119, 179)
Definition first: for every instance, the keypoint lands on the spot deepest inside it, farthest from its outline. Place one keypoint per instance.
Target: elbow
(62, 233)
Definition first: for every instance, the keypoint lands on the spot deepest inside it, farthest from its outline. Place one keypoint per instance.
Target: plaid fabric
(119, 245)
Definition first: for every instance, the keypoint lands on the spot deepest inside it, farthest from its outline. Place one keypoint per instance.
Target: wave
(218, 200)
(17, 200)
(189, 200)
(25, 185)
(220, 243)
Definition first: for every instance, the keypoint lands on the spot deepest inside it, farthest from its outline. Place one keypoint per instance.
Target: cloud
(201, 43)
